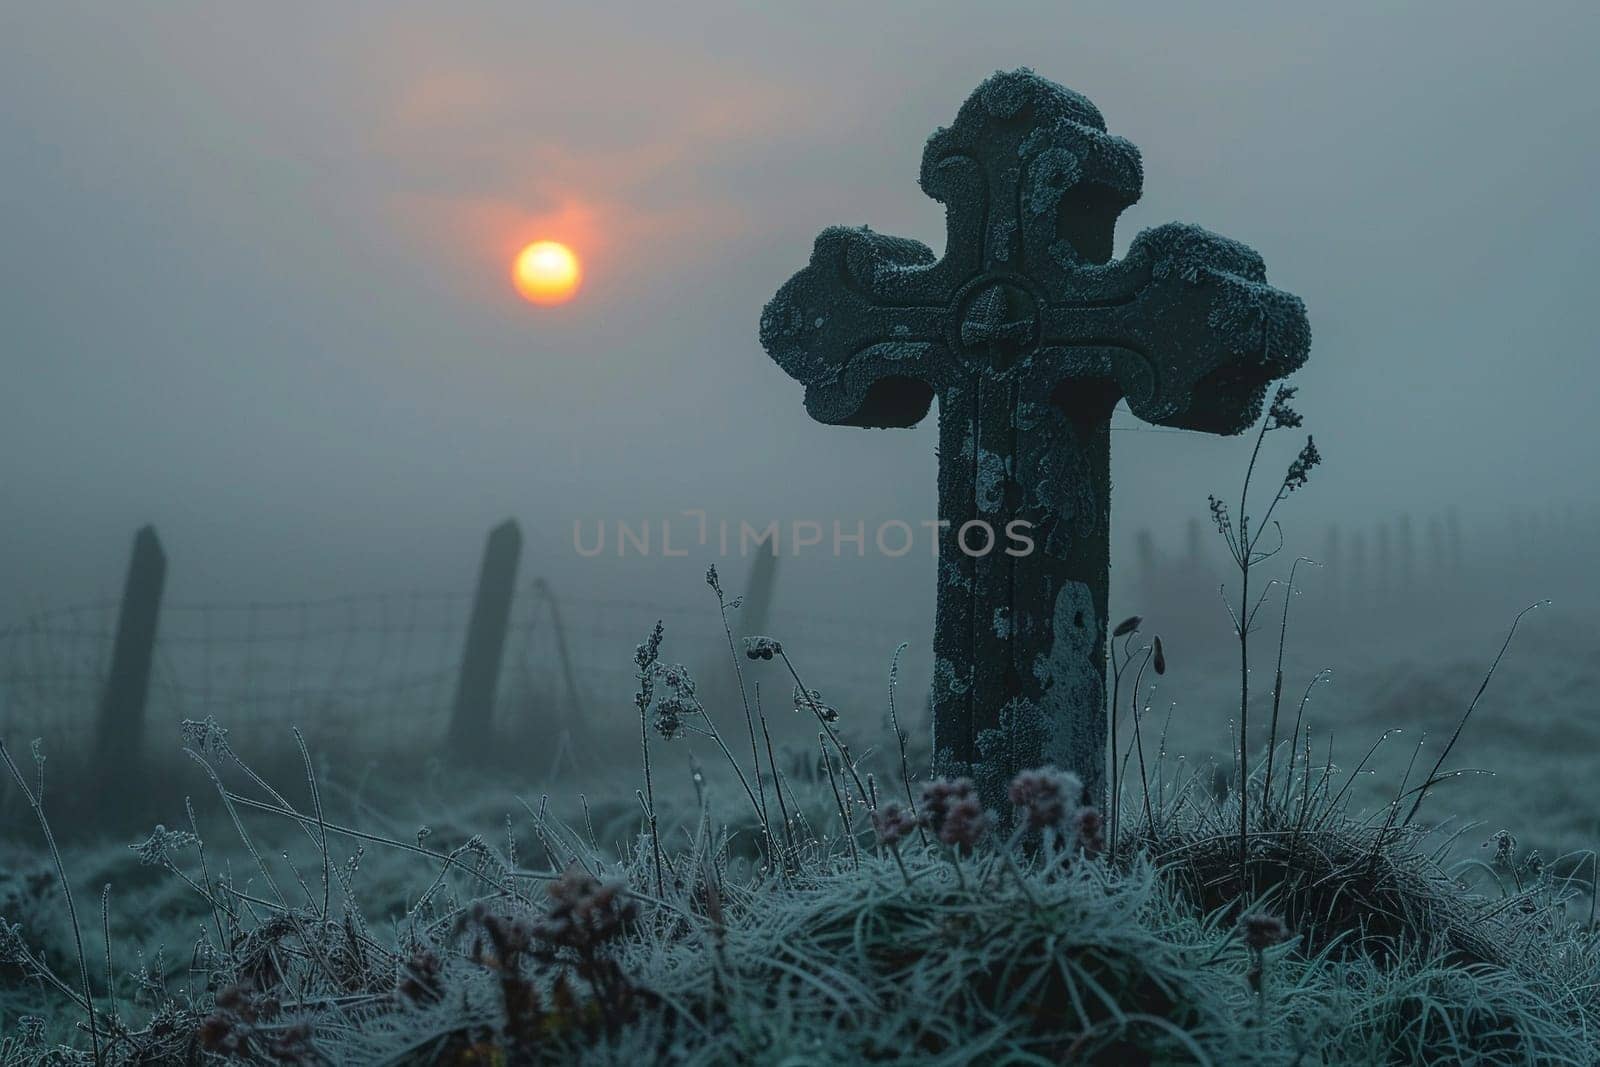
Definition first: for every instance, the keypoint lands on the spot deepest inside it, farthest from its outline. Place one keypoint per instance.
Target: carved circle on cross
(994, 323)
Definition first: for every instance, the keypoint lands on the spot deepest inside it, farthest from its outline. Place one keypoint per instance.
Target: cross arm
(862, 328)
(1187, 325)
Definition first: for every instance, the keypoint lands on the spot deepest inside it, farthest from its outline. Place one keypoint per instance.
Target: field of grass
(466, 918)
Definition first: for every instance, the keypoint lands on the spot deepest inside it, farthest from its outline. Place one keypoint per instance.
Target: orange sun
(546, 272)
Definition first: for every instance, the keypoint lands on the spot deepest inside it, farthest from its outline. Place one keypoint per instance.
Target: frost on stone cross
(1029, 334)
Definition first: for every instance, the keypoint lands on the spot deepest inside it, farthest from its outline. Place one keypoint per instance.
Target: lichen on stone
(990, 487)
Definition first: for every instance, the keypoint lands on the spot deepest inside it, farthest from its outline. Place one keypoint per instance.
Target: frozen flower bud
(155, 850)
(1262, 930)
(1160, 659)
(762, 647)
(893, 824)
(1128, 625)
(712, 580)
(1046, 797)
(811, 700)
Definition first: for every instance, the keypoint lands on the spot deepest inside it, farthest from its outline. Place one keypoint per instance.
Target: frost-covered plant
(645, 657)
(1260, 931)
(1243, 544)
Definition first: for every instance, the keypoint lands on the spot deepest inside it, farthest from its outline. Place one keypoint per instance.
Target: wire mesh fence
(382, 669)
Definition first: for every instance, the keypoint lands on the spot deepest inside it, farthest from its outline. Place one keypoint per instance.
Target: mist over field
(256, 292)
(255, 296)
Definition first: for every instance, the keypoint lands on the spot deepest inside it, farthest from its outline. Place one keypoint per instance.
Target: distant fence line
(388, 669)
(1379, 565)
(403, 668)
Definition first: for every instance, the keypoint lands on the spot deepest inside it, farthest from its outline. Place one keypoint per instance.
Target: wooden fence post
(1144, 554)
(472, 719)
(757, 610)
(121, 733)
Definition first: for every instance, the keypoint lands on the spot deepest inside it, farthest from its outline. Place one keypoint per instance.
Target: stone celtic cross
(1029, 334)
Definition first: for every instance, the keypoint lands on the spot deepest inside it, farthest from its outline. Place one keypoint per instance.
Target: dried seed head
(1262, 930)
(762, 647)
(1219, 516)
(1300, 470)
(646, 654)
(1160, 660)
(1128, 625)
(811, 700)
(1281, 415)
(671, 711)
(1505, 848)
(584, 912)
(676, 677)
(203, 735)
(155, 850)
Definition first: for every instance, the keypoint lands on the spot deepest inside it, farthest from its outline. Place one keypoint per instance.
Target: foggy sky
(254, 264)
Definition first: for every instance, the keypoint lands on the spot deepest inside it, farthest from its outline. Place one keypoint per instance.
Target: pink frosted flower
(1046, 796)
(952, 810)
(893, 824)
(1088, 826)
